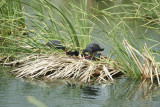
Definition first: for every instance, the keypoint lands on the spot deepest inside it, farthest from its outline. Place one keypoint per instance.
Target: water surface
(123, 92)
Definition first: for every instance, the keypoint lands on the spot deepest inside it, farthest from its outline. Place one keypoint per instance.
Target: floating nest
(64, 67)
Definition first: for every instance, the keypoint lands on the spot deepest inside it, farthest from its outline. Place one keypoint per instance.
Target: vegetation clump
(63, 67)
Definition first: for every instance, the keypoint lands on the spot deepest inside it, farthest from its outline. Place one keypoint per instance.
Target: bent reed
(147, 67)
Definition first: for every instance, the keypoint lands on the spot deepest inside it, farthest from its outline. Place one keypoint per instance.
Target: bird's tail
(102, 49)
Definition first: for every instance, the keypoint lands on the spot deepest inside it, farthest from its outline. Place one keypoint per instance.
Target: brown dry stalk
(149, 68)
(64, 67)
(130, 50)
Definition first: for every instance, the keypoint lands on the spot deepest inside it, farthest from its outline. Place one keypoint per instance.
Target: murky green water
(16, 92)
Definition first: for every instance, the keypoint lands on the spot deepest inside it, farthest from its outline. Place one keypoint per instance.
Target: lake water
(15, 92)
(123, 92)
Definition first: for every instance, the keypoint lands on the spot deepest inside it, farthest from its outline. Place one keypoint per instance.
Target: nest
(64, 67)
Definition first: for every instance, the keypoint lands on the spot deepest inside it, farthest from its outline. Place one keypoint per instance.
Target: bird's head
(63, 48)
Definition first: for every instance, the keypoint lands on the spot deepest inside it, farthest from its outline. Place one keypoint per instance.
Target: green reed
(72, 27)
(148, 9)
(12, 24)
(46, 22)
(12, 20)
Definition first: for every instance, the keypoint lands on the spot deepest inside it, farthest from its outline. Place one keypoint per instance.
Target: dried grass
(148, 67)
(64, 67)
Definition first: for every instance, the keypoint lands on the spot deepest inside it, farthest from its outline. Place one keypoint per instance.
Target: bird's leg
(85, 57)
(92, 57)
(64, 51)
(101, 56)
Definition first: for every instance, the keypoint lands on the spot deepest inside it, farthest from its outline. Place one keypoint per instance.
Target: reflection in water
(90, 92)
(127, 89)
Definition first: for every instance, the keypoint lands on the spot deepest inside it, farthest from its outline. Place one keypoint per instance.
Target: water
(16, 92)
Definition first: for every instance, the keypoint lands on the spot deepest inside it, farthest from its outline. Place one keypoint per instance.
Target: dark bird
(70, 53)
(91, 48)
(76, 53)
(55, 44)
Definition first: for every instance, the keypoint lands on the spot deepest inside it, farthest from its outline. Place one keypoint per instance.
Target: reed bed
(56, 66)
(148, 67)
(64, 67)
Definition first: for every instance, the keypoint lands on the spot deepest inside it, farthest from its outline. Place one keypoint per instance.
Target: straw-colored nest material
(64, 67)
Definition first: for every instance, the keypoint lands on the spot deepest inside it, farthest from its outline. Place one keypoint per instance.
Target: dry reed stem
(107, 73)
(130, 49)
(64, 67)
(149, 68)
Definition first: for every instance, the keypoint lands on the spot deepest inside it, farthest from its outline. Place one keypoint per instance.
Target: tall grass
(148, 10)
(72, 27)
(130, 59)
(12, 24)
(47, 22)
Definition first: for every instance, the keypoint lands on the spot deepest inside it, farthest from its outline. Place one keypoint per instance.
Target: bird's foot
(82, 58)
(63, 52)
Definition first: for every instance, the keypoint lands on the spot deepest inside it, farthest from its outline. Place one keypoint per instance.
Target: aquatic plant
(71, 27)
(117, 32)
(149, 11)
(45, 22)
(12, 28)
(12, 20)
(148, 67)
